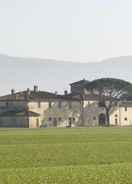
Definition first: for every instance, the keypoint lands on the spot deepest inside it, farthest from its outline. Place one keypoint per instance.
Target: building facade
(35, 109)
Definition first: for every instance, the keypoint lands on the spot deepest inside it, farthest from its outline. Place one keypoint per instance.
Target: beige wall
(62, 112)
(57, 112)
(124, 118)
(34, 122)
(88, 102)
(38, 107)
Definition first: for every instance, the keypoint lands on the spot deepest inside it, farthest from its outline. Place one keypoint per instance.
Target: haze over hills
(52, 75)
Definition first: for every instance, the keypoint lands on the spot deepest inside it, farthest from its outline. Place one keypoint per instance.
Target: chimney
(65, 92)
(27, 94)
(12, 91)
(13, 95)
(35, 89)
(28, 91)
(56, 92)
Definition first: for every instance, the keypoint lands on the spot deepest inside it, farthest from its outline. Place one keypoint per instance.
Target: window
(37, 123)
(59, 104)
(116, 121)
(39, 104)
(73, 119)
(70, 105)
(116, 115)
(125, 119)
(60, 119)
(69, 122)
(7, 104)
(55, 122)
(94, 118)
(50, 119)
(125, 108)
(50, 104)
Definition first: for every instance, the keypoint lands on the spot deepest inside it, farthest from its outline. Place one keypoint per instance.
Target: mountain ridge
(110, 59)
(52, 75)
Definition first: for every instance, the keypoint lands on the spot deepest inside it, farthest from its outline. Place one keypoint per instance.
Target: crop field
(66, 156)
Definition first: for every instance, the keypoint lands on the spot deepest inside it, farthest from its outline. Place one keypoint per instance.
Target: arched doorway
(55, 122)
(102, 119)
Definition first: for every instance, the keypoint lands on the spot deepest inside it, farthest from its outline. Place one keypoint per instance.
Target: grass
(65, 156)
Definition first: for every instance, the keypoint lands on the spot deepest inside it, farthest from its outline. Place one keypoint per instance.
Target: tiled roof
(35, 96)
(81, 82)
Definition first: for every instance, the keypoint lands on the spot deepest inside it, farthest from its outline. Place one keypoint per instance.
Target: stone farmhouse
(35, 109)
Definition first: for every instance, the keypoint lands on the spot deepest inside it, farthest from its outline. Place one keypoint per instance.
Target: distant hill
(52, 75)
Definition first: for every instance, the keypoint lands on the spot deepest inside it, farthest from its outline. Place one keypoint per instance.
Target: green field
(66, 156)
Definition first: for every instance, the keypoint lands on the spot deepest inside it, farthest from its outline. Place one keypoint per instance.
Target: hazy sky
(74, 30)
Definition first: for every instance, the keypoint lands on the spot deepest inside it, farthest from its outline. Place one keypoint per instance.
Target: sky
(69, 30)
